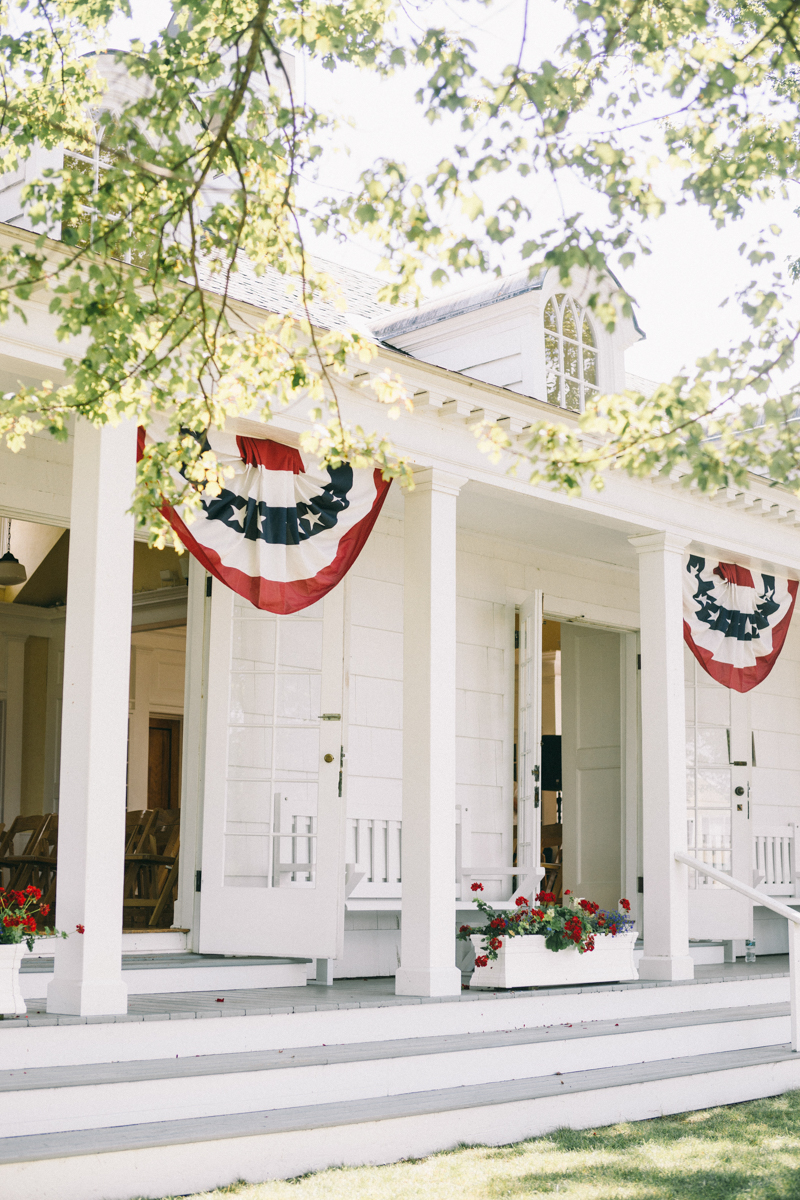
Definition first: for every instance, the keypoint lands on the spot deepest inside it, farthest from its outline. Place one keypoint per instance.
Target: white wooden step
(47, 1100)
(166, 1026)
(180, 1156)
(176, 971)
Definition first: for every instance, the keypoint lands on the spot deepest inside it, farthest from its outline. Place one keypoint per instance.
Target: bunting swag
(735, 622)
(281, 534)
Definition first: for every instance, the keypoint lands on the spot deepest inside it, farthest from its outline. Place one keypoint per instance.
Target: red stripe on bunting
(743, 679)
(733, 573)
(261, 452)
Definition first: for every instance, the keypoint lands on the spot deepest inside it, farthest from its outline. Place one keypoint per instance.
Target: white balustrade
(775, 861)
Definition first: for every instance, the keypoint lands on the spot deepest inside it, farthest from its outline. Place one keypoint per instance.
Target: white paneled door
(273, 819)
(718, 767)
(529, 812)
(591, 762)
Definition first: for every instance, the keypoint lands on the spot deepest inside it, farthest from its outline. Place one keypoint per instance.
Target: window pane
(550, 319)
(568, 326)
(712, 745)
(572, 394)
(588, 336)
(571, 359)
(590, 366)
(714, 789)
(552, 367)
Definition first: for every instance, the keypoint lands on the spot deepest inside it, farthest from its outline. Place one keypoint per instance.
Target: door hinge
(516, 639)
(640, 885)
(209, 581)
(198, 880)
(638, 662)
(536, 797)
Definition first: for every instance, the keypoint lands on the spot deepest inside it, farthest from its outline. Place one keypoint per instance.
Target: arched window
(570, 353)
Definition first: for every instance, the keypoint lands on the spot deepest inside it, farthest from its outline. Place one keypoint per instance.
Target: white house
(344, 773)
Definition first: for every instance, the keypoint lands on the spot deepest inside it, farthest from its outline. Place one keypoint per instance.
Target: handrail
(752, 893)
(783, 910)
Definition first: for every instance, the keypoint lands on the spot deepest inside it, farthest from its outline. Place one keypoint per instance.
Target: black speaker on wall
(551, 762)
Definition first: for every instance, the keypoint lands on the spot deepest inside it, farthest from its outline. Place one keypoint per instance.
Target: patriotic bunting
(284, 530)
(735, 621)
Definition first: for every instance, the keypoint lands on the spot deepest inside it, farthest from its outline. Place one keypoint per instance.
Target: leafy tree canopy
(171, 186)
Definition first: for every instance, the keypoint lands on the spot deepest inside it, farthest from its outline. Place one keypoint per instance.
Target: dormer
(532, 336)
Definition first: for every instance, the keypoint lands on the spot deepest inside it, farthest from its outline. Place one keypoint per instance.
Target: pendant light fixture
(11, 569)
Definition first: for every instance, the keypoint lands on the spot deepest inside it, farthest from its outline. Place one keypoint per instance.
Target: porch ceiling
(557, 529)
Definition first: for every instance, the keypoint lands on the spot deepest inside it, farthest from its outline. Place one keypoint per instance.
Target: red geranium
(477, 887)
(481, 960)
(18, 915)
(521, 902)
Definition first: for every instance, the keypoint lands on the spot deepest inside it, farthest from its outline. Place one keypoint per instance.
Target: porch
(289, 1080)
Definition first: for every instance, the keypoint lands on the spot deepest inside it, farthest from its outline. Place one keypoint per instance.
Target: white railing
(774, 860)
(783, 910)
(374, 853)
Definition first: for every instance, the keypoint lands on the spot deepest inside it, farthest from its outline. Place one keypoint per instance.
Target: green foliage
(179, 185)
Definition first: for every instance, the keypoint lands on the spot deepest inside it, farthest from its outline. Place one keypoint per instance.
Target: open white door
(529, 741)
(719, 754)
(273, 819)
(591, 761)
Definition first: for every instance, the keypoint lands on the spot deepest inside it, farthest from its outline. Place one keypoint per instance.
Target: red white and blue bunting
(284, 530)
(735, 621)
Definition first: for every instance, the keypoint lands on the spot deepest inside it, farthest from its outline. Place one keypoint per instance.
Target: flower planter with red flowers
(546, 944)
(18, 926)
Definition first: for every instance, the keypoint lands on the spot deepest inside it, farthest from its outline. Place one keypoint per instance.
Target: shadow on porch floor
(356, 993)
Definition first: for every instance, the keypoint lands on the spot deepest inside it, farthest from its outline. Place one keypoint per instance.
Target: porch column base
(666, 967)
(423, 981)
(74, 998)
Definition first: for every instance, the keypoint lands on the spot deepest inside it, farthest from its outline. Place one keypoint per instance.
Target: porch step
(180, 971)
(68, 1098)
(154, 1158)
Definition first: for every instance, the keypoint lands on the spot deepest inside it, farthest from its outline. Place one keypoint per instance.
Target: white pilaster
(12, 768)
(666, 908)
(139, 727)
(187, 908)
(427, 940)
(91, 835)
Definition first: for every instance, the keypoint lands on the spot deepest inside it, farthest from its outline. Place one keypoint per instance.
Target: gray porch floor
(354, 993)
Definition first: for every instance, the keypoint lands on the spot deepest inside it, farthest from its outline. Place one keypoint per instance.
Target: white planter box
(526, 962)
(10, 996)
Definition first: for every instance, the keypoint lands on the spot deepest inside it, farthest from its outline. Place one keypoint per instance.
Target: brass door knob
(328, 758)
(739, 791)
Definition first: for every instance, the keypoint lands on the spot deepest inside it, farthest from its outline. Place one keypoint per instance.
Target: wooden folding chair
(151, 868)
(553, 870)
(27, 830)
(37, 866)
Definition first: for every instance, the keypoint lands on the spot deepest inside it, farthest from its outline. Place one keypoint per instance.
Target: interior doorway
(164, 763)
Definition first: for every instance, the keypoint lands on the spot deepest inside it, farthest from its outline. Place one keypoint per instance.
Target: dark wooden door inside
(164, 763)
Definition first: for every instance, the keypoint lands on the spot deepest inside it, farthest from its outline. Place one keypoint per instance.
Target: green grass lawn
(743, 1152)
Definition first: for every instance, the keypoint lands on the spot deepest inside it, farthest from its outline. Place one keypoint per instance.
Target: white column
(91, 832)
(666, 902)
(427, 940)
(15, 688)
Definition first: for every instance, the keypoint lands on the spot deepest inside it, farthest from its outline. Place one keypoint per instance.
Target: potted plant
(18, 928)
(546, 943)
